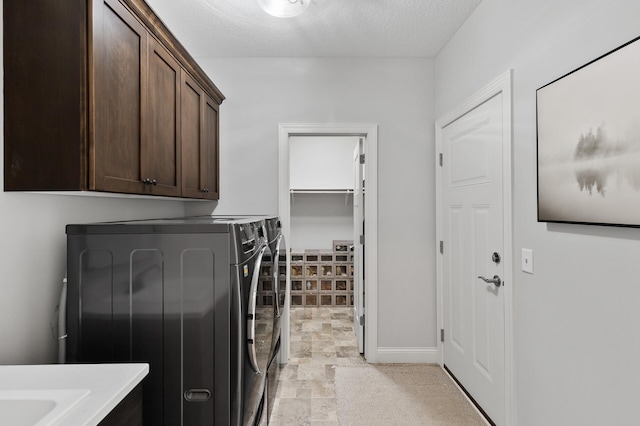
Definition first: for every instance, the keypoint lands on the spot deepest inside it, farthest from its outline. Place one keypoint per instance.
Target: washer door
(259, 321)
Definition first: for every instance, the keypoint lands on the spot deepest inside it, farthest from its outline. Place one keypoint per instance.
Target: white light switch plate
(527, 260)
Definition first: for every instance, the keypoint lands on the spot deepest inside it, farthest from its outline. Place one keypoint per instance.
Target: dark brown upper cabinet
(210, 154)
(199, 142)
(97, 99)
(120, 61)
(163, 143)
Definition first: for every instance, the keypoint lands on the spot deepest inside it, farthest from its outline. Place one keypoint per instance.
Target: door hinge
(442, 334)
(361, 320)
(440, 160)
(361, 158)
(441, 247)
(362, 239)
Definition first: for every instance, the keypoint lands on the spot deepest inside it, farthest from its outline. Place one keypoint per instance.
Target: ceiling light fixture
(284, 8)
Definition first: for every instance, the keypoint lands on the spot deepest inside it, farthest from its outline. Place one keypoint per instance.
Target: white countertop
(107, 385)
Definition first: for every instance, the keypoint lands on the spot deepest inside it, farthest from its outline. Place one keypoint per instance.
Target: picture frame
(588, 142)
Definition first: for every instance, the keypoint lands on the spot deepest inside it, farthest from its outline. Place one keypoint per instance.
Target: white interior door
(358, 247)
(472, 231)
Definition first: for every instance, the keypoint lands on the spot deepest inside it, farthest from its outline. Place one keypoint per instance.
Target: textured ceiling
(329, 28)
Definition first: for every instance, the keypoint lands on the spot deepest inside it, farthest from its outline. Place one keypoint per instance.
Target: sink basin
(64, 394)
(40, 407)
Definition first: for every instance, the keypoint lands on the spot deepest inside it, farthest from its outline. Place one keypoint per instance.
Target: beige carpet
(400, 394)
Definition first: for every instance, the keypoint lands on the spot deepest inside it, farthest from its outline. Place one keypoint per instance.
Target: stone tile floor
(321, 339)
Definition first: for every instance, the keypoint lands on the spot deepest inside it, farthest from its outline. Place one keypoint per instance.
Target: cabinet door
(199, 136)
(192, 129)
(210, 152)
(45, 73)
(161, 159)
(120, 62)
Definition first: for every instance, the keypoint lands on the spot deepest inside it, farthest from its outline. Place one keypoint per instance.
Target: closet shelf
(321, 191)
(345, 192)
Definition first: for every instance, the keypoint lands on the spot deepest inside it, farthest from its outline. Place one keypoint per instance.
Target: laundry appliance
(277, 244)
(179, 294)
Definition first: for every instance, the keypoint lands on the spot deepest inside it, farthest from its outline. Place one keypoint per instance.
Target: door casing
(502, 84)
(369, 132)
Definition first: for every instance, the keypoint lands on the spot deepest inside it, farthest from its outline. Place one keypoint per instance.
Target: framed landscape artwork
(588, 129)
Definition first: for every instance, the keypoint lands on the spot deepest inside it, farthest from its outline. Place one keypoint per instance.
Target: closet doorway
(322, 205)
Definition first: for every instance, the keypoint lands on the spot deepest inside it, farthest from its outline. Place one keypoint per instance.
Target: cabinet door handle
(154, 182)
(146, 181)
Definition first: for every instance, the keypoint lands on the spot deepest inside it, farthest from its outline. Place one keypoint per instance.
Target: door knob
(495, 280)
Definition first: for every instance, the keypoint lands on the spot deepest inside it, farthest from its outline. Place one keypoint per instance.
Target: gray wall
(33, 263)
(397, 94)
(576, 318)
(33, 259)
(318, 219)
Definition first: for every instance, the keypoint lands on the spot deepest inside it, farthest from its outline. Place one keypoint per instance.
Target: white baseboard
(405, 355)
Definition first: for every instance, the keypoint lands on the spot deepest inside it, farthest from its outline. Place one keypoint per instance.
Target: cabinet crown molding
(148, 17)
